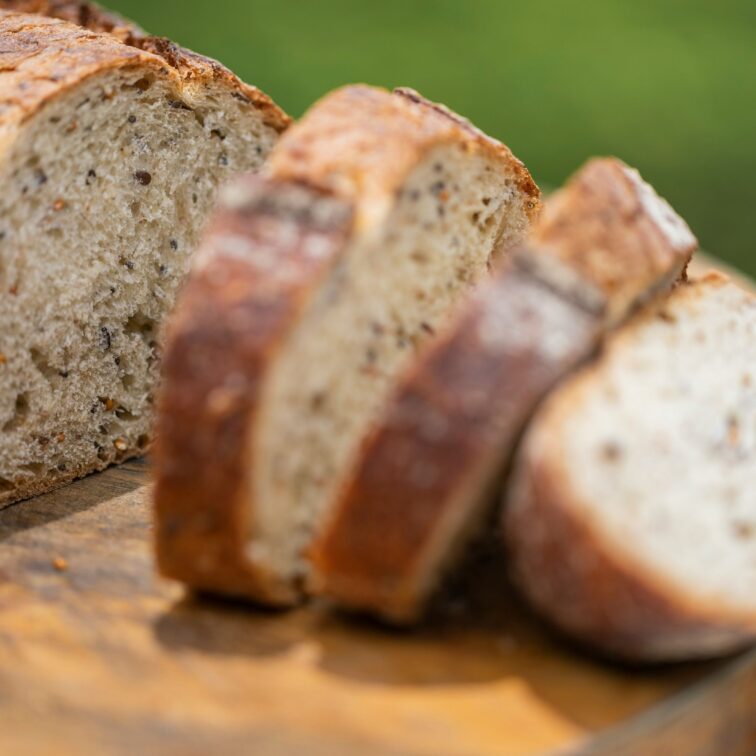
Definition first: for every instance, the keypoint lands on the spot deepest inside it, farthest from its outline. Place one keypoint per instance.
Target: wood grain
(99, 656)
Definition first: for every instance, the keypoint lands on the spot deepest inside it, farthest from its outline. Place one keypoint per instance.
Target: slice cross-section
(110, 158)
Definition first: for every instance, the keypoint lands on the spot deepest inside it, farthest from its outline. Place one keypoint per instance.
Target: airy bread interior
(656, 446)
(392, 288)
(105, 190)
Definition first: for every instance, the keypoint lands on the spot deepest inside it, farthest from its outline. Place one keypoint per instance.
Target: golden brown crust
(420, 481)
(199, 70)
(256, 268)
(384, 136)
(355, 147)
(573, 576)
(524, 181)
(89, 15)
(193, 68)
(42, 57)
(655, 248)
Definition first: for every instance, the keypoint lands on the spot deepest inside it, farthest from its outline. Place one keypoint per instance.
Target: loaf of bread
(631, 517)
(110, 155)
(316, 285)
(424, 480)
(82, 13)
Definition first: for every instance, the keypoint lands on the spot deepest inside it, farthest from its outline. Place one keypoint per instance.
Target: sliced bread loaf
(631, 518)
(110, 156)
(316, 286)
(423, 481)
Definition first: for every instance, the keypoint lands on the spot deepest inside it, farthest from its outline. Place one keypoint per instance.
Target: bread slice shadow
(69, 500)
(478, 634)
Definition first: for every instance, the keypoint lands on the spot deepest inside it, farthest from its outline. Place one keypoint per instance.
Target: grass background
(668, 85)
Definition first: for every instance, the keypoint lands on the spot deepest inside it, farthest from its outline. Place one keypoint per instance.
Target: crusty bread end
(631, 518)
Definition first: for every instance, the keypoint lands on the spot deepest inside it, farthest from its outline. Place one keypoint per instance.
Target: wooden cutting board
(100, 656)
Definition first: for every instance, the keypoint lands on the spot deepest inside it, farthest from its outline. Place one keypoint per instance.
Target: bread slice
(317, 286)
(110, 156)
(422, 484)
(631, 520)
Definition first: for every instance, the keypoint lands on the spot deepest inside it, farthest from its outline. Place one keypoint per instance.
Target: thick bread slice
(423, 481)
(631, 519)
(110, 157)
(317, 285)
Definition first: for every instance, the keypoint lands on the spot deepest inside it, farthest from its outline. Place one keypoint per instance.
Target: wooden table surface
(100, 656)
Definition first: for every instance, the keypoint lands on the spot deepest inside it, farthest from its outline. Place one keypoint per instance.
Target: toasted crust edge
(72, 27)
(384, 134)
(525, 182)
(85, 14)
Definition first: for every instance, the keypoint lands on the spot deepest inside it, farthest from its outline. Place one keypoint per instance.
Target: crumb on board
(60, 564)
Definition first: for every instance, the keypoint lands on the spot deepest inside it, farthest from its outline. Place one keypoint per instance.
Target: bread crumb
(743, 530)
(307, 653)
(733, 431)
(506, 644)
(611, 451)
(60, 564)
(120, 444)
(143, 177)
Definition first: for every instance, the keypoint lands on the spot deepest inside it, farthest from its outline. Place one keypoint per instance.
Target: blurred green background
(666, 85)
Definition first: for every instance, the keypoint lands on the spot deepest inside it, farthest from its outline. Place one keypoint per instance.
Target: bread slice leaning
(631, 519)
(423, 482)
(110, 157)
(317, 284)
